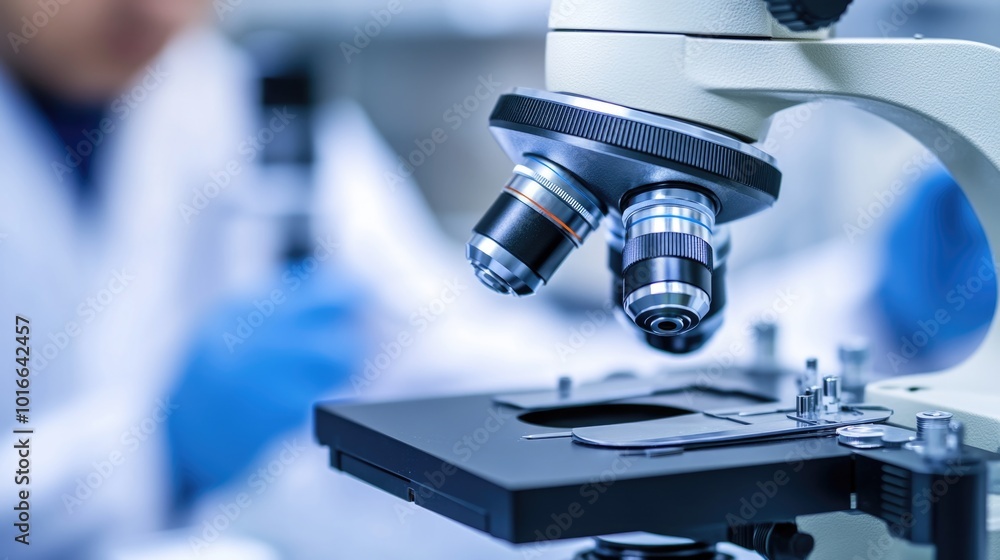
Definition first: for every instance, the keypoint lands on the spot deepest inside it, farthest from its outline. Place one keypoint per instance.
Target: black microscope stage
(468, 458)
(464, 457)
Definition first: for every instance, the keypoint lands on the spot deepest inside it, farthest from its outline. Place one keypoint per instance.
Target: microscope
(649, 127)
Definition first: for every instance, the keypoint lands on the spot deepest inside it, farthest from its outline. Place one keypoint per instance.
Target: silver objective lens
(541, 216)
(667, 261)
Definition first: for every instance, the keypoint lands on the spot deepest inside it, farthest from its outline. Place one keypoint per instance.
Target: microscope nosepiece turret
(665, 184)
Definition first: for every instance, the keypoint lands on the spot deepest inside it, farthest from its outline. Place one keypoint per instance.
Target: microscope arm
(944, 93)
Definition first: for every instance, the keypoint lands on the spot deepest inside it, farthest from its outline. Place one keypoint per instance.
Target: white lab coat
(112, 301)
(149, 273)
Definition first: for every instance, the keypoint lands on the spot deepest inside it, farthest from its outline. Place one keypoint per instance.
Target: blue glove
(938, 290)
(253, 374)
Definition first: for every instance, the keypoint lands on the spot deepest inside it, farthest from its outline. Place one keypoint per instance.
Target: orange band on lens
(523, 197)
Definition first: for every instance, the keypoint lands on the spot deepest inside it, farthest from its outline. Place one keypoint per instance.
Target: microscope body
(649, 128)
(652, 131)
(729, 66)
(659, 104)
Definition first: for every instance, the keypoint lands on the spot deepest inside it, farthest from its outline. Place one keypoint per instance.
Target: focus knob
(807, 15)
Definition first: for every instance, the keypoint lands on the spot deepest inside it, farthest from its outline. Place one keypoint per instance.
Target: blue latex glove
(254, 373)
(938, 290)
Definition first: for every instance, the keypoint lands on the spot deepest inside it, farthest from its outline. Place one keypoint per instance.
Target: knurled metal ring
(639, 136)
(667, 244)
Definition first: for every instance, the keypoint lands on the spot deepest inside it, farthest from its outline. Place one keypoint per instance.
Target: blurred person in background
(160, 368)
(170, 354)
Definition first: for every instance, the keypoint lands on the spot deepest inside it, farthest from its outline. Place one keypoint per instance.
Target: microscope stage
(466, 458)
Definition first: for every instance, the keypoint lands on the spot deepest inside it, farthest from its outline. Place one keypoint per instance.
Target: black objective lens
(541, 216)
(533, 244)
